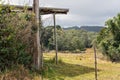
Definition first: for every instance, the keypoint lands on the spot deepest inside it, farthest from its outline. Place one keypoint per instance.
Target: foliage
(71, 40)
(48, 38)
(75, 40)
(14, 33)
(109, 39)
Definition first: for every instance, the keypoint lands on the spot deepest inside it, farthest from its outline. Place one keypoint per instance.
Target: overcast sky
(82, 12)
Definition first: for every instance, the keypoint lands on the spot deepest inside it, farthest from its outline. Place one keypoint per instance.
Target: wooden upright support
(37, 46)
(95, 55)
(55, 39)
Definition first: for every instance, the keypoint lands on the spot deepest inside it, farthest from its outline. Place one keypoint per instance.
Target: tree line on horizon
(68, 40)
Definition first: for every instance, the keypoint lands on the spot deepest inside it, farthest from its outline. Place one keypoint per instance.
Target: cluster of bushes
(109, 39)
(15, 31)
(68, 40)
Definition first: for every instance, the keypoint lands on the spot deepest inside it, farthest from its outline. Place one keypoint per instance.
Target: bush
(14, 34)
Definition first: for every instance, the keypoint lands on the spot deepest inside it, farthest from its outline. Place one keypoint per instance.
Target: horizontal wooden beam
(43, 10)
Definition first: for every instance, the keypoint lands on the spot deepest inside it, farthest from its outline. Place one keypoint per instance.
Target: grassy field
(72, 66)
(79, 67)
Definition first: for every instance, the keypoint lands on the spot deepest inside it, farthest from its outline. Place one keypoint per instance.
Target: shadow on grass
(63, 70)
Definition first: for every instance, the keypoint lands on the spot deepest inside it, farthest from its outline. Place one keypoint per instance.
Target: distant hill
(74, 27)
(87, 28)
(92, 28)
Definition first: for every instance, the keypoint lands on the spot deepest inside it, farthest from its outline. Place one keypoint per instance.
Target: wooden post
(37, 46)
(55, 39)
(95, 56)
(41, 55)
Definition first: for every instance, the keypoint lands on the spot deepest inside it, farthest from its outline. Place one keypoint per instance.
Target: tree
(109, 39)
(71, 40)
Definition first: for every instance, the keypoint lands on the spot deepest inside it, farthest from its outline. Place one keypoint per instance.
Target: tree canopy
(71, 40)
(109, 39)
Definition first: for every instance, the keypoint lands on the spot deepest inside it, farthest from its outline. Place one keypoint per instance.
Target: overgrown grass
(19, 72)
(79, 67)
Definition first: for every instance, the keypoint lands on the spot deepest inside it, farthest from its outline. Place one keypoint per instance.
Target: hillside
(87, 28)
(92, 28)
(74, 27)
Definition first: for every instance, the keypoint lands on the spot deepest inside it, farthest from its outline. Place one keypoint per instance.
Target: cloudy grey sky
(82, 12)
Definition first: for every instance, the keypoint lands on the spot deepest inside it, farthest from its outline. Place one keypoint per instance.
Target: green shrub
(12, 47)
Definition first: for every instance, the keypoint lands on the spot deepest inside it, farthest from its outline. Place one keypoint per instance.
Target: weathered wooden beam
(55, 39)
(95, 56)
(37, 46)
(42, 10)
